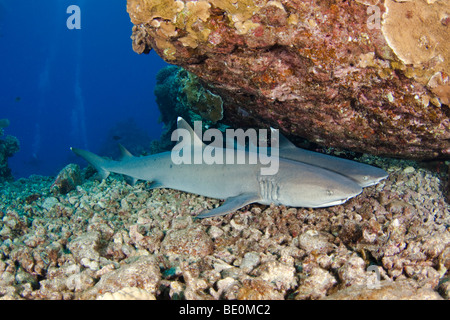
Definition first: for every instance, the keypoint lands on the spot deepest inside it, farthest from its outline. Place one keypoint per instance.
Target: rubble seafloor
(111, 240)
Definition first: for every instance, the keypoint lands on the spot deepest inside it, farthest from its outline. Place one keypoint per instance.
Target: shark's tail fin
(97, 162)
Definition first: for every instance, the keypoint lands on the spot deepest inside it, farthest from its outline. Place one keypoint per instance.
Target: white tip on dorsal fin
(124, 153)
(284, 143)
(182, 124)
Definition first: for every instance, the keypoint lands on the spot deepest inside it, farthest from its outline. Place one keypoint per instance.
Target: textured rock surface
(129, 293)
(180, 93)
(67, 179)
(346, 74)
(9, 145)
(140, 272)
(111, 240)
(192, 241)
(401, 290)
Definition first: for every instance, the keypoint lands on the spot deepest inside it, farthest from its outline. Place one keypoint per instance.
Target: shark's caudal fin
(101, 164)
(97, 162)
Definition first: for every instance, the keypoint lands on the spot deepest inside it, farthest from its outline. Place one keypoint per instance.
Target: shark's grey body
(295, 184)
(365, 175)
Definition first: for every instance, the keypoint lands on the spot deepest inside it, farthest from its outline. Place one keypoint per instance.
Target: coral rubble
(111, 240)
(371, 76)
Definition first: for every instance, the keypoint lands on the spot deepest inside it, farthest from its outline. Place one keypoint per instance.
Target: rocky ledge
(366, 75)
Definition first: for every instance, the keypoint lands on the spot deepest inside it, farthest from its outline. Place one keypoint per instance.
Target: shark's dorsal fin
(124, 153)
(283, 142)
(182, 124)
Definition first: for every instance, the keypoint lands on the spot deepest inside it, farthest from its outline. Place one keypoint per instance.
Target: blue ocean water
(64, 87)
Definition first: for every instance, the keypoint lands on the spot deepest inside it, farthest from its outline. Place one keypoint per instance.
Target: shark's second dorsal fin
(182, 124)
(283, 142)
(124, 153)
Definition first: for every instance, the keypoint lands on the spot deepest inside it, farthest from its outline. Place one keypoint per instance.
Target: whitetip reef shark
(296, 183)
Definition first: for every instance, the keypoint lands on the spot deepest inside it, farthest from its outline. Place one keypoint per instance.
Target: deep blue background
(62, 88)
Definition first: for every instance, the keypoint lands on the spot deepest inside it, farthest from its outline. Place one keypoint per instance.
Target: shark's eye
(365, 178)
(330, 192)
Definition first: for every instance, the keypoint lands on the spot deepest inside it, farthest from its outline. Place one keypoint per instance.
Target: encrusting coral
(370, 76)
(417, 31)
(181, 93)
(202, 101)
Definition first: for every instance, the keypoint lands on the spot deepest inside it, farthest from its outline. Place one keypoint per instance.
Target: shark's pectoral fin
(156, 184)
(130, 180)
(101, 175)
(230, 205)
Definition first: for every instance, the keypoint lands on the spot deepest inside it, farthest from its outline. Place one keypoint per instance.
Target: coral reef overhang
(340, 74)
